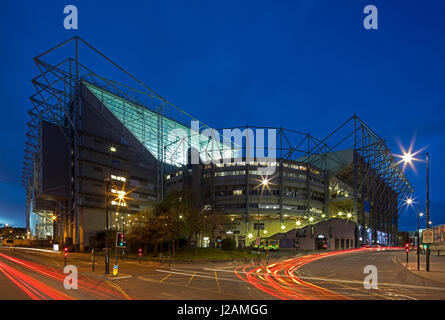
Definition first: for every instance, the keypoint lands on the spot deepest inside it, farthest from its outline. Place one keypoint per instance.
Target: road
(28, 274)
(340, 276)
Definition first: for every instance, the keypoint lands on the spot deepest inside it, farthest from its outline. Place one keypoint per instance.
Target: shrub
(228, 244)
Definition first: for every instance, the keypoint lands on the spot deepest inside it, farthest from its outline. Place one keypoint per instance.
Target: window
(115, 203)
(269, 206)
(229, 173)
(123, 179)
(238, 192)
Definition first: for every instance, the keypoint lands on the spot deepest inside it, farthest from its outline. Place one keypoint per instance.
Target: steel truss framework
(377, 178)
(57, 100)
(378, 183)
(375, 174)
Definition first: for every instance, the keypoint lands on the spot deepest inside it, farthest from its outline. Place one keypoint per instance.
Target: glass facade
(167, 140)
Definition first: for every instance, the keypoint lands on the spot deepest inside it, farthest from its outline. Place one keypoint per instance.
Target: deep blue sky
(305, 65)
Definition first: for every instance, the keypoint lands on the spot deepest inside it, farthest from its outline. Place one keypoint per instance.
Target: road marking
(166, 277)
(363, 291)
(231, 295)
(197, 275)
(219, 270)
(190, 280)
(121, 277)
(217, 282)
(120, 289)
(385, 284)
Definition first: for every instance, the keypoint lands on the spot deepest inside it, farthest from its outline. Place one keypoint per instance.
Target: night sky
(304, 65)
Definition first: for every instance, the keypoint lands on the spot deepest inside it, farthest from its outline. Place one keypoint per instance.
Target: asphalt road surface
(26, 274)
(29, 275)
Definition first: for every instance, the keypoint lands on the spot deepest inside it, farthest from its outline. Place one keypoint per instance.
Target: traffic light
(140, 252)
(120, 240)
(65, 256)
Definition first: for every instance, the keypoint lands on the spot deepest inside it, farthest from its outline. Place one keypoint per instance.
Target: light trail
(35, 289)
(280, 279)
(29, 284)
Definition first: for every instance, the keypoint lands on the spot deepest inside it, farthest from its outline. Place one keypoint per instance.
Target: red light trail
(280, 280)
(38, 290)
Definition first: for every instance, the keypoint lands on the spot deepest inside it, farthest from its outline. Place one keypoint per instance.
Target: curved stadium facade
(85, 128)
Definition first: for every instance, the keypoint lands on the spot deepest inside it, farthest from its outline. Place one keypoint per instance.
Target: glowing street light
(298, 223)
(408, 157)
(264, 183)
(349, 215)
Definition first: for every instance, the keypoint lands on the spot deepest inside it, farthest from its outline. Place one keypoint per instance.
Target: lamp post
(264, 183)
(107, 257)
(427, 209)
(419, 214)
(407, 158)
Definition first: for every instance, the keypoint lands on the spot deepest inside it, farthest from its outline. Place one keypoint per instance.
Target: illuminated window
(123, 179)
(238, 192)
(115, 203)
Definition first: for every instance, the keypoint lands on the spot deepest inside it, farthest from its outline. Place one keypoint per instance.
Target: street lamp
(408, 158)
(107, 257)
(264, 183)
(410, 201)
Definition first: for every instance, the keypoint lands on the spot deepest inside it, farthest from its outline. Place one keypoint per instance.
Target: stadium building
(92, 141)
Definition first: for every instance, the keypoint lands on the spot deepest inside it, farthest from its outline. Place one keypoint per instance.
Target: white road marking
(197, 275)
(122, 277)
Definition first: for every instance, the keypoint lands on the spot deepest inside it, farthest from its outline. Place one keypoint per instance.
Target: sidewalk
(437, 265)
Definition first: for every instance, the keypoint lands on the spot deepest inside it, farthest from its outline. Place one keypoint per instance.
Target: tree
(214, 220)
(176, 216)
